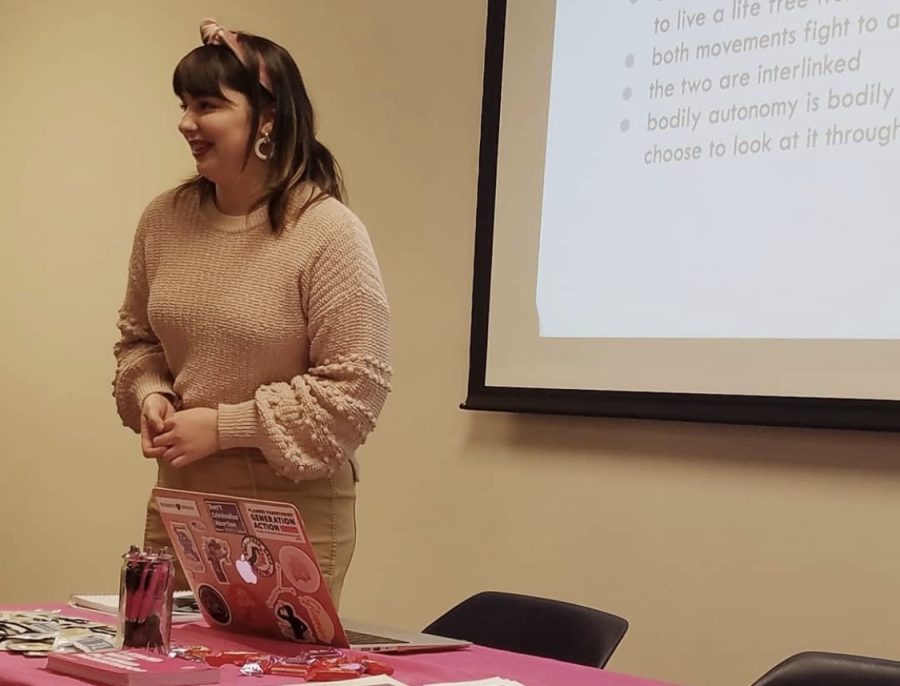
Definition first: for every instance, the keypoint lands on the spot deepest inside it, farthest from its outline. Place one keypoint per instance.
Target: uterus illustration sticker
(255, 560)
(299, 569)
(185, 541)
(296, 575)
(218, 554)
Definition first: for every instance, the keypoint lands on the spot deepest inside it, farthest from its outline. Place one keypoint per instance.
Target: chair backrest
(831, 669)
(534, 626)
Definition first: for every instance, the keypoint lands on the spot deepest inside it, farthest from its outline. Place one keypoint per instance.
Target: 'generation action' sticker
(273, 521)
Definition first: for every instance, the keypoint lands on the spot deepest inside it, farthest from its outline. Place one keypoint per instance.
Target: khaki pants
(327, 506)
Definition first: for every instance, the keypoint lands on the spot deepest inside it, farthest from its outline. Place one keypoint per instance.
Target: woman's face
(217, 130)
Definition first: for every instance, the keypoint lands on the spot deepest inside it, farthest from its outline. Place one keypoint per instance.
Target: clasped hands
(177, 437)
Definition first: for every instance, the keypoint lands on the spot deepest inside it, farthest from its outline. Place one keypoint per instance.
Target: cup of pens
(145, 600)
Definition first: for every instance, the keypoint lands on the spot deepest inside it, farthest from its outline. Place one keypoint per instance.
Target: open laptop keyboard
(362, 638)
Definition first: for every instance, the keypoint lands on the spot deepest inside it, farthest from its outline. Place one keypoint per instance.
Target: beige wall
(726, 547)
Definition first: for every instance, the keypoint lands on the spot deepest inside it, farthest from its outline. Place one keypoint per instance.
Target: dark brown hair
(297, 157)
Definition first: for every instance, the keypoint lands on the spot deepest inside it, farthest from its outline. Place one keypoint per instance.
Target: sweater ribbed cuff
(151, 382)
(238, 425)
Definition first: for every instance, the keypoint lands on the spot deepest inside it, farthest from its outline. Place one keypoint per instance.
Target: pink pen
(140, 592)
(158, 570)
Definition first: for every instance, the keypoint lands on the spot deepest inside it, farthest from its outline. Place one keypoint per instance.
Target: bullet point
(624, 125)
(626, 94)
(629, 61)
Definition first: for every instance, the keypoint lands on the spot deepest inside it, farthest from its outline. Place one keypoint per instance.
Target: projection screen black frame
(836, 413)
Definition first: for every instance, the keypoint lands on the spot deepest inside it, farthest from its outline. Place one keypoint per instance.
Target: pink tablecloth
(417, 669)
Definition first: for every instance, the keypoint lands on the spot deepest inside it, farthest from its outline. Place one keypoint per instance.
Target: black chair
(534, 626)
(831, 669)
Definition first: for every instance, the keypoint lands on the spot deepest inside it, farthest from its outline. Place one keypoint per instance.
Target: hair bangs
(204, 70)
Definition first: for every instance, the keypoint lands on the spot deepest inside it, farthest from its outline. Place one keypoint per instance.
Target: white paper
(493, 681)
(109, 604)
(390, 681)
(362, 681)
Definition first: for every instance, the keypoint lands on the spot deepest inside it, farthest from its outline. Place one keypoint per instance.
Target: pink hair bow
(213, 33)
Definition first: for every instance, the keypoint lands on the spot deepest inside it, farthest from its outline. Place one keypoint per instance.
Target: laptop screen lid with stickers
(253, 571)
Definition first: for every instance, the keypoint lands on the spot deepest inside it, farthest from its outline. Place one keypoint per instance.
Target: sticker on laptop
(321, 622)
(212, 601)
(177, 506)
(299, 569)
(185, 542)
(292, 625)
(273, 521)
(218, 554)
(246, 608)
(225, 516)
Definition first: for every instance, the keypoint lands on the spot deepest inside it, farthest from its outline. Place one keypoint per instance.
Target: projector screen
(687, 210)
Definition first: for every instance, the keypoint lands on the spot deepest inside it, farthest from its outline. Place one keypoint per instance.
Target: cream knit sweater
(287, 335)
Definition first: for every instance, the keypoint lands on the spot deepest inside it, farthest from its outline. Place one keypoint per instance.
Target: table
(415, 669)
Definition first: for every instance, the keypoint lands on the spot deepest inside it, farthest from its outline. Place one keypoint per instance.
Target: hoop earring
(260, 142)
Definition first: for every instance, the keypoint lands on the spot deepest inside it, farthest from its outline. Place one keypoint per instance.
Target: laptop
(253, 571)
